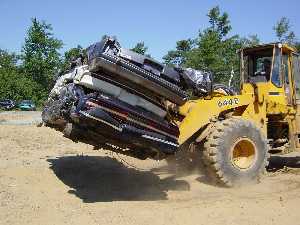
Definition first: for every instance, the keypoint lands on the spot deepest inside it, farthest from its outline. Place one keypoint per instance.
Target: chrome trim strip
(160, 140)
(102, 121)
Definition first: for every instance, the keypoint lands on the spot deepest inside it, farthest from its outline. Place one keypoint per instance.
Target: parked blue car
(27, 105)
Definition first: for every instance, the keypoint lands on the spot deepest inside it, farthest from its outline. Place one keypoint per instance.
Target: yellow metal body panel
(256, 111)
(277, 100)
(200, 112)
(250, 105)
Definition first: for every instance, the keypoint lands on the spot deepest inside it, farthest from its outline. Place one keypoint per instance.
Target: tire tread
(214, 141)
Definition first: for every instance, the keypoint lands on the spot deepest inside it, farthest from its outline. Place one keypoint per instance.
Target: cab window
(285, 68)
(296, 73)
(276, 73)
(257, 65)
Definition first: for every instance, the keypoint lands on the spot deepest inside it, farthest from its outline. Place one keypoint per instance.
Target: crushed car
(118, 99)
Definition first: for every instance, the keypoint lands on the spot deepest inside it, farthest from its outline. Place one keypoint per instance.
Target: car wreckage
(120, 100)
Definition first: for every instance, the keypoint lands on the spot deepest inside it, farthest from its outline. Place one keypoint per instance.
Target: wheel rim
(243, 154)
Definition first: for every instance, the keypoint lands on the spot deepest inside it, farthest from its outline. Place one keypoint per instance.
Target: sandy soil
(47, 179)
(20, 118)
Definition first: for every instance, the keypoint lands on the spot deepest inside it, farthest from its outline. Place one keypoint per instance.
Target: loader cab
(276, 68)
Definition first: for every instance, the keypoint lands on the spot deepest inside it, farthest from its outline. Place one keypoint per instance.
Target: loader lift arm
(201, 112)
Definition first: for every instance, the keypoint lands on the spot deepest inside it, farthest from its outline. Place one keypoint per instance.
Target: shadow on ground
(102, 179)
(280, 162)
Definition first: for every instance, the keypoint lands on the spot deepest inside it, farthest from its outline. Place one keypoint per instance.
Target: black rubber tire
(217, 152)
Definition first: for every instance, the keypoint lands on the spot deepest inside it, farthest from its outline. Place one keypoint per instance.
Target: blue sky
(158, 23)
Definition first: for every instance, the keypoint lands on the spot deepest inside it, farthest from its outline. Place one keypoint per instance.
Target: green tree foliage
(220, 23)
(70, 55)
(140, 48)
(13, 84)
(215, 55)
(283, 31)
(251, 41)
(178, 56)
(213, 50)
(41, 59)
(8, 61)
(73, 53)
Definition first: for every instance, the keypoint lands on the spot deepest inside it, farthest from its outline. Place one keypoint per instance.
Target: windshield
(257, 65)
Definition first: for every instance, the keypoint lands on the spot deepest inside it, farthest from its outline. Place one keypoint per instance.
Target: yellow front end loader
(234, 134)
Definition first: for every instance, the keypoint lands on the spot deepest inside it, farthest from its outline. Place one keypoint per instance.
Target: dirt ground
(47, 179)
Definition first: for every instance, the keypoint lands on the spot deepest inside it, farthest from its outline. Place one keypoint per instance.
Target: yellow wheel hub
(243, 154)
